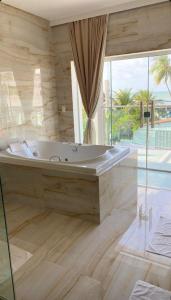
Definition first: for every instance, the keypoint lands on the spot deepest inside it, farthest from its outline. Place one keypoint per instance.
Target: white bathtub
(87, 158)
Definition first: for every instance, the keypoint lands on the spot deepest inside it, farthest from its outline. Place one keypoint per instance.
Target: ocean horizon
(162, 96)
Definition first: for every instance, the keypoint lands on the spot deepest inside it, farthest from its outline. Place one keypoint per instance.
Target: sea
(162, 96)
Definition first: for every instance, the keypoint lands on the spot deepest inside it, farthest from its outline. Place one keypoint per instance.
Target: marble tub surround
(118, 187)
(90, 196)
(28, 105)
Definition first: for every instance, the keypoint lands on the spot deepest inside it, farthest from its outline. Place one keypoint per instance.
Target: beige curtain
(88, 40)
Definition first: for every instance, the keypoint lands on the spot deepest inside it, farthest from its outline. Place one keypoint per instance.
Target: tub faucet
(25, 142)
(75, 148)
(54, 157)
(9, 147)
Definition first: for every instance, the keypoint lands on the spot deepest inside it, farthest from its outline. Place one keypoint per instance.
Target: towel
(146, 291)
(160, 241)
(21, 149)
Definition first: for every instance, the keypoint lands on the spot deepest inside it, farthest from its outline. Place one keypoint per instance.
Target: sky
(133, 73)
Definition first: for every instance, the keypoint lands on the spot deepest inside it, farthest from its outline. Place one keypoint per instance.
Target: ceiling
(63, 11)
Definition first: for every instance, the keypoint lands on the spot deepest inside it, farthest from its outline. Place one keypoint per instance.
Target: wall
(28, 104)
(142, 29)
(63, 58)
(35, 69)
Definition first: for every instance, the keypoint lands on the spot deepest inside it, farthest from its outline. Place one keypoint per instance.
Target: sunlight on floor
(155, 179)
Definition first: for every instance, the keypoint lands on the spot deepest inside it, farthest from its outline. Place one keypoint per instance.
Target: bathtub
(92, 159)
(84, 181)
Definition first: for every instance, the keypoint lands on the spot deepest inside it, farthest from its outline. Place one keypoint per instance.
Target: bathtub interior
(60, 152)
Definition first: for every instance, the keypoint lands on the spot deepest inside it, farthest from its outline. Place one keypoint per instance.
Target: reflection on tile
(154, 179)
(28, 105)
(19, 257)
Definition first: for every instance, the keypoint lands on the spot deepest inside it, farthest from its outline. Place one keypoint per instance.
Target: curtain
(88, 40)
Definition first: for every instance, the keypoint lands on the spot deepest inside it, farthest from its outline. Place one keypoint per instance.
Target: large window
(132, 86)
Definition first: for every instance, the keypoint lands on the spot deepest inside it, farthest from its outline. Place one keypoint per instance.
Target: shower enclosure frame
(7, 241)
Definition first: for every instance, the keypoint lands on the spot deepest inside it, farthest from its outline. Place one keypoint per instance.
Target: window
(131, 86)
(80, 117)
(128, 82)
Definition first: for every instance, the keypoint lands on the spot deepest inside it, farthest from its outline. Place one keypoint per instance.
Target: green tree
(123, 97)
(144, 96)
(161, 70)
(125, 119)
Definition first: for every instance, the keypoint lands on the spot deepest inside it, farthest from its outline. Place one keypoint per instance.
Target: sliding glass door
(137, 111)
(159, 150)
(134, 109)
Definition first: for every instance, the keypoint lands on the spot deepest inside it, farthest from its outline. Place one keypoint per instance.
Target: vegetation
(162, 70)
(123, 97)
(124, 119)
(144, 96)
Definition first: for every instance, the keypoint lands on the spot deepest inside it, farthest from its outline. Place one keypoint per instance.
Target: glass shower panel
(130, 81)
(6, 280)
(132, 87)
(159, 150)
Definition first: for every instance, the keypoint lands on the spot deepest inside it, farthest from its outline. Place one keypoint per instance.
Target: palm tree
(123, 97)
(124, 118)
(144, 96)
(161, 70)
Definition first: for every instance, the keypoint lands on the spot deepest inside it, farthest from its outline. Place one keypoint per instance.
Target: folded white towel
(160, 242)
(21, 149)
(146, 291)
(164, 226)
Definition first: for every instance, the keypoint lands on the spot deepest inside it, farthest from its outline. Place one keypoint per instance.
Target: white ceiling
(63, 11)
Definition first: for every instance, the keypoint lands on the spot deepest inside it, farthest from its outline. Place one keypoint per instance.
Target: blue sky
(133, 73)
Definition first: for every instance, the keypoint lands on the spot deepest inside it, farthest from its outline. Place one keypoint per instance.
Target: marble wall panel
(143, 29)
(28, 103)
(63, 58)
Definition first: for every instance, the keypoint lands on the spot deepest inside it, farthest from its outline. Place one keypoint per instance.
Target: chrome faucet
(25, 142)
(53, 158)
(9, 147)
(75, 148)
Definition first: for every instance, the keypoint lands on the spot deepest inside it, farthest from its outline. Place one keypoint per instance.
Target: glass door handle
(152, 114)
(150, 218)
(141, 114)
